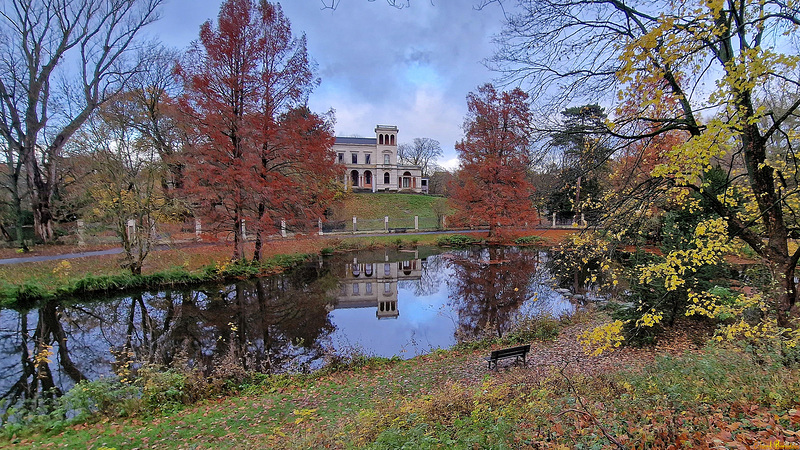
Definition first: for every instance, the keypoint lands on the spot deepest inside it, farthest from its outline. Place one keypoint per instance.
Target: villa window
(386, 159)
(341, 157)
(366, 158)
(354, 157)
(386, 178)
(369, 288)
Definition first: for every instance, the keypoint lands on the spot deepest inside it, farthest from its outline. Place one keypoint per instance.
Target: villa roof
(356, 140)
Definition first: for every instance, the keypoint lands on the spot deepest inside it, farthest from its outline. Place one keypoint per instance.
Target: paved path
(40, 258)
(115, 251)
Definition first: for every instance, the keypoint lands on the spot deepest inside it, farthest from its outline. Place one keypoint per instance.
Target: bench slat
(520, 351)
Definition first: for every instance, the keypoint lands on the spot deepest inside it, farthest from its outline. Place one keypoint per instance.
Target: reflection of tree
(431, 277)
(263, 324)
(488, 286)
(295, 315)
(266, 324)
(34, 379)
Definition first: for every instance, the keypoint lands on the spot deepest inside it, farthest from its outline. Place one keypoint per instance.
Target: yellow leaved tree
(722, 79)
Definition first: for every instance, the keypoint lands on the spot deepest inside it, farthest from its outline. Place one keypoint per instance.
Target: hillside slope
(377, 206)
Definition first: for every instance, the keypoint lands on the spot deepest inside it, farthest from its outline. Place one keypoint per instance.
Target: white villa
(372, 163)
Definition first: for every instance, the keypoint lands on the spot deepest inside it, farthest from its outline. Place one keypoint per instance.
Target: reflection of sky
(425, 322)
(420, 327)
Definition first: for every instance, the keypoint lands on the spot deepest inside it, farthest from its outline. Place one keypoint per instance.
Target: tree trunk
(257, 251)
(238, 244)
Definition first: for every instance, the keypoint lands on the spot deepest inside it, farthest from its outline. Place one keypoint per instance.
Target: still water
(382, 303)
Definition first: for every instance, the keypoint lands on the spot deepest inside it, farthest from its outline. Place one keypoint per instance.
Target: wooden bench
(513, 352)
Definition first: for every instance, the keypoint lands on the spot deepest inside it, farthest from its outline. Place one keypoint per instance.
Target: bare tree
(422, 152)
(151, 96)
(61, 59)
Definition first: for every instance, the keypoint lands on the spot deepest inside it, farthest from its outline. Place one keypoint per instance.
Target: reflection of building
(374, 284)
(372, 163)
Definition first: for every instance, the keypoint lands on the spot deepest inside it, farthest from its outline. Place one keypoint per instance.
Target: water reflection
(372, 281)
(381, 302)
(489, 285)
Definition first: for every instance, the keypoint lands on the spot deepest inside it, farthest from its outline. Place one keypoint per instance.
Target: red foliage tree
(256, 153)
(492, 183)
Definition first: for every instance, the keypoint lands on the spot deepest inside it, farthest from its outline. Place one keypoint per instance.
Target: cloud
(450, 164)
(411, 67)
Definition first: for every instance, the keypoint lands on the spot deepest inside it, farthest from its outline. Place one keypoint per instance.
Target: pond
(382, 303)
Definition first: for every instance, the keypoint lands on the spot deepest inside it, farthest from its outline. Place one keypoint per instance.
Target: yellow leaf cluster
(650, 319)
(604, 338)
(42, 357)
(710, 242)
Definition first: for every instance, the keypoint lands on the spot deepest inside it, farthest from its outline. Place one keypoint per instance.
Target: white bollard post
(386, 223)
(319, 225)
(81, 233)
(416, 223)
(283, 228)
(354, 224)
(198, 229)
(131, 229)
(554, 220)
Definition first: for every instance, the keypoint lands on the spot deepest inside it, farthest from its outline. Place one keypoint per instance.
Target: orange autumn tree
(492, 184)
(256, 155)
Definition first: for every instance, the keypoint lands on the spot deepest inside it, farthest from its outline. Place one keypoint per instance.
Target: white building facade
(372, 164)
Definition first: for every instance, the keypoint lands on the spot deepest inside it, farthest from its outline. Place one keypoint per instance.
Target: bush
(538, 327)
(457, 240)
(108, 396)
(529, 240)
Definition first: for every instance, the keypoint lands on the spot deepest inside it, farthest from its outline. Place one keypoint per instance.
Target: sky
(410, 67)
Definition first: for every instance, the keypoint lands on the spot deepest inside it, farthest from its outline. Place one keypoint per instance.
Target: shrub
(539, 327)
(168, 389)
(107, 396)
(529, 240)
(457, 240)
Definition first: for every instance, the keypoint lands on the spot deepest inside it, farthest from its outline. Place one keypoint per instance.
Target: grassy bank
(377, 206)
(681, 394)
